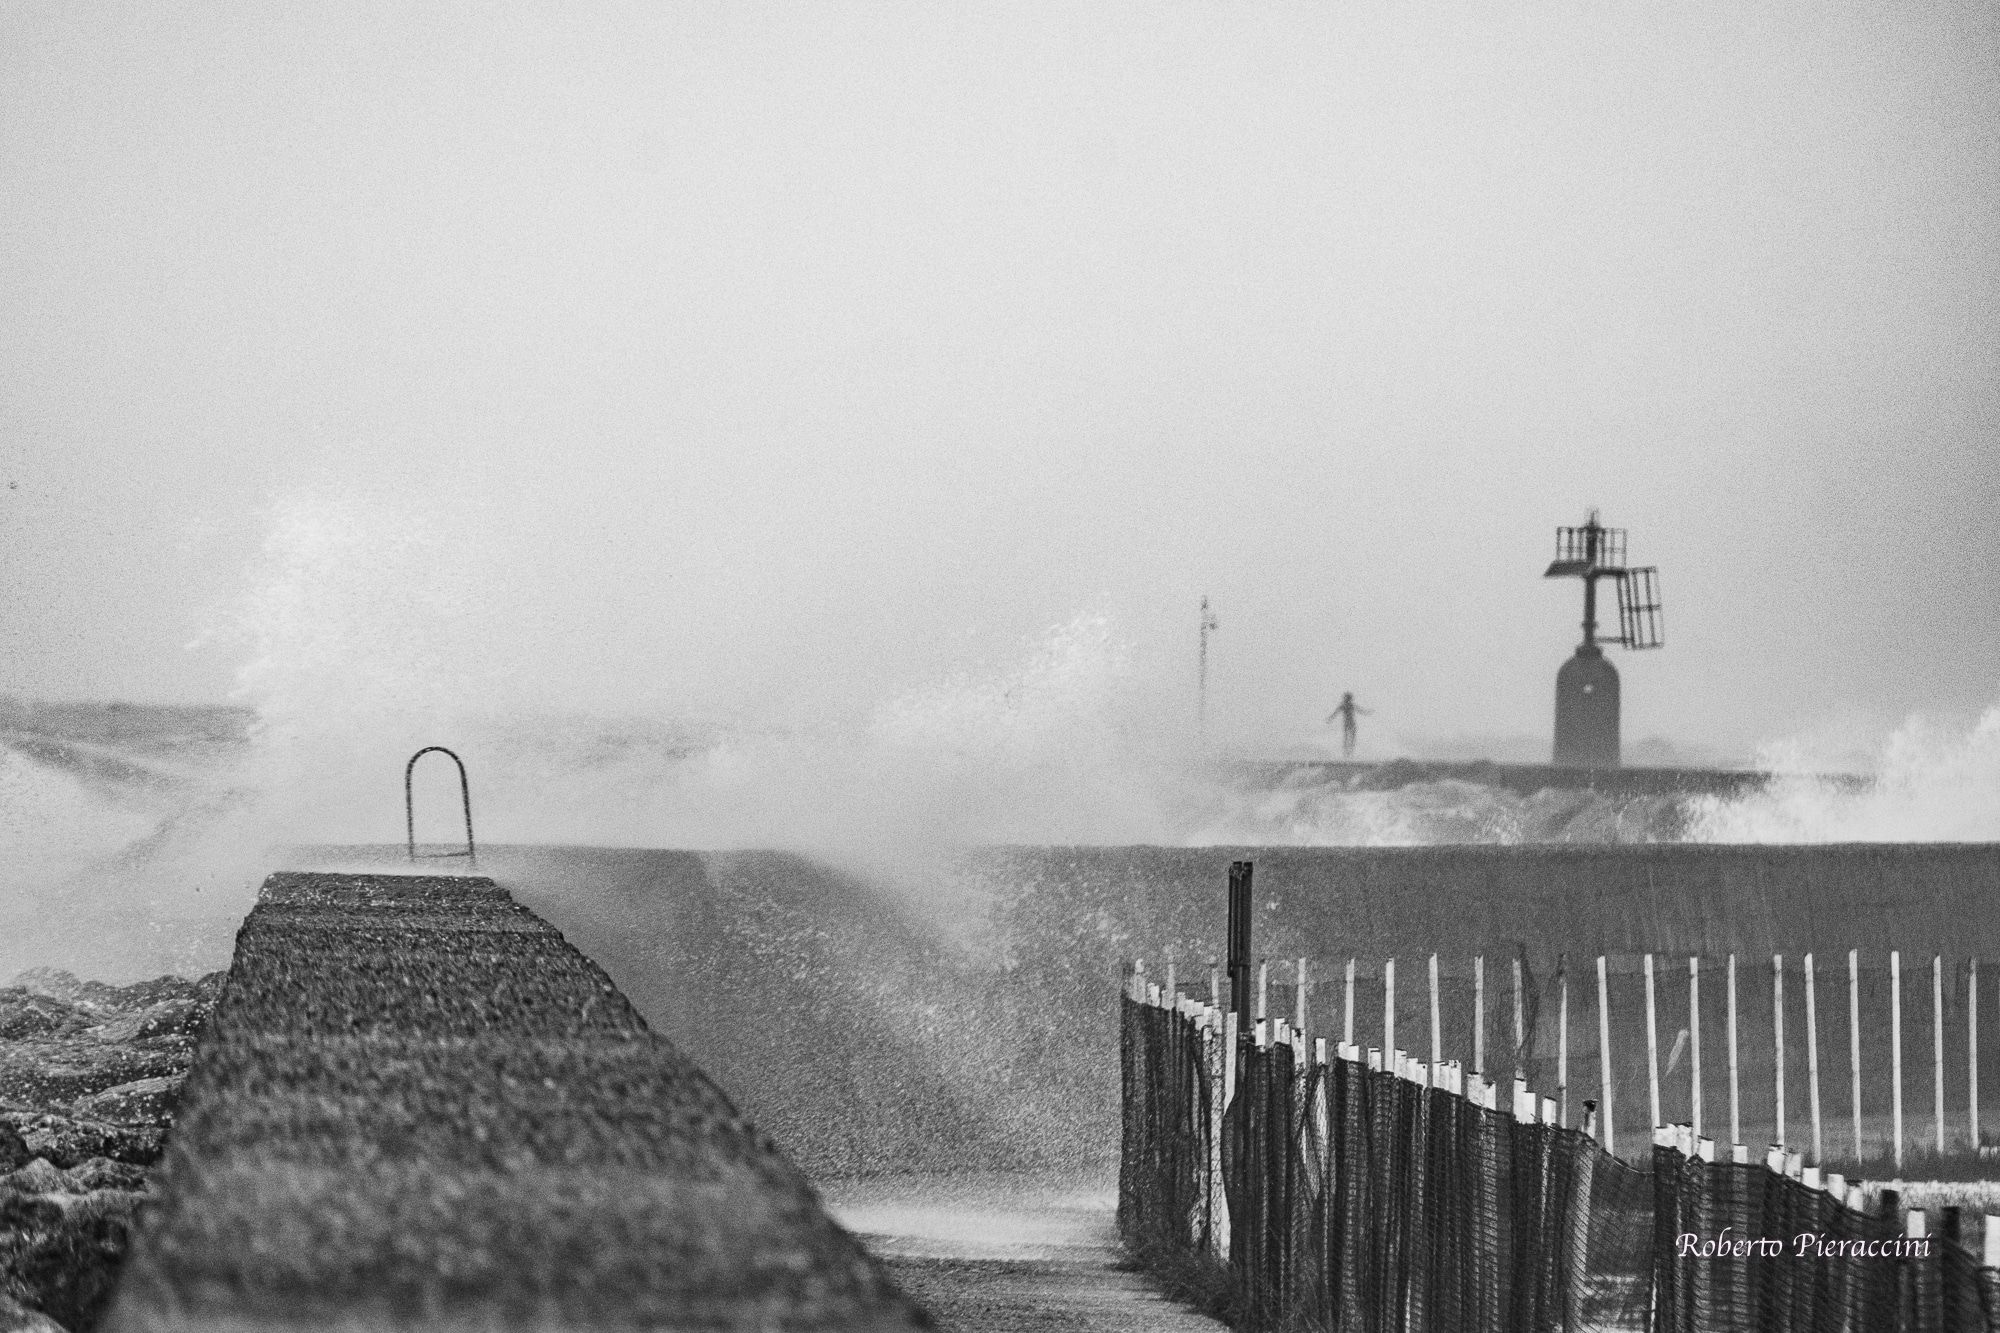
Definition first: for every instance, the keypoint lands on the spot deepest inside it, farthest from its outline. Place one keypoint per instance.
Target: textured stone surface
(417, 1104)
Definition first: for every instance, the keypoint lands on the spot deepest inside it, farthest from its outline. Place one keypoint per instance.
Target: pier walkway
(418, 1105)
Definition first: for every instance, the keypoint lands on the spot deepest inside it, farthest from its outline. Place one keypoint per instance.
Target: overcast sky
(779, 359)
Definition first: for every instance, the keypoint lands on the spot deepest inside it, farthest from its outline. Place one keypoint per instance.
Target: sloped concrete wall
(417, 1104)
(868, 1039)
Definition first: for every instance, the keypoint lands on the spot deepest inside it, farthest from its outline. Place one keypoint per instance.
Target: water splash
(1933, 784)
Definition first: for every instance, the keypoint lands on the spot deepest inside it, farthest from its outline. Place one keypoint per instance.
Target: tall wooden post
(1972, 1056)
(1937, 1047)
(1735, 1091)
(1812, 1063)
(1240, 873)
(1437, 1036)
(1605, 1078)
(1694, 1043)
(1562, 1038)
(1896, 1054)
(1479, 1014)
(1854, 1041)
(1652, 1045)
(1520, 1031)
(1347, 1014)
(1778, 1046)
(1388, 1013)
(1299, 995)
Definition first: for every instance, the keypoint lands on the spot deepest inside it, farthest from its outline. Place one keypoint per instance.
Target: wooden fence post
(1479, 1014)
(1694, 1043)
(1735, 1091)
(1937, 1047)
(1562, 1038)
(1347, 1017)
(1896, 1054)
(1299, 989)
(1215, 985)
(1854, 1041)
(1437, 1037)
(1652, 1045)
(1520, 1033)
(1388, 1013)
(1263, 987)
(1778, 1046)
(1972, 1054)
(1812, 1062)
(1604, 1075)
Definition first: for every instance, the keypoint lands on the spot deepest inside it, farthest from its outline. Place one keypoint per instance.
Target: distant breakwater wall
(956, 1019)
(1521, 779)
(417, 1104)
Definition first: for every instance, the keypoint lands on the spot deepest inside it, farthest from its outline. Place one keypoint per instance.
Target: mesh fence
(1738, 1246)
(1354, 1199)
(1327, 1195)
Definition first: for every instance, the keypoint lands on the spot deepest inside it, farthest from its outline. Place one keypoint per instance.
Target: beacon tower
(1587, 684)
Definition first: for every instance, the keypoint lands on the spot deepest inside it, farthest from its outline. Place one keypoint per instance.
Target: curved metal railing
(410, 805)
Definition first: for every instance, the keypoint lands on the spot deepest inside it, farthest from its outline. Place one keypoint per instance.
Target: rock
(68, 1268)
(26, 1015)
(118, 1029)
(173, 1018)
(18, 1318)
(14, 1152)
(68, 1142)
(52, 1073)
(101, 1173)
(23, 1214)
(146, 1101)
(97, 996)
(48, 981)
(37, 1177)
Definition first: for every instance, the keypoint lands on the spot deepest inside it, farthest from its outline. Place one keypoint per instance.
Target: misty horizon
(783, 367)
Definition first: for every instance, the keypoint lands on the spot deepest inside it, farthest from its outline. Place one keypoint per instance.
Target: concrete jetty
(418, 1105)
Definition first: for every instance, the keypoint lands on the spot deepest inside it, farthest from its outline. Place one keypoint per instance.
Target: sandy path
(1007, 1253)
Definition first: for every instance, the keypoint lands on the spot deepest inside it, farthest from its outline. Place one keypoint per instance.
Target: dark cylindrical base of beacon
(1587, 711)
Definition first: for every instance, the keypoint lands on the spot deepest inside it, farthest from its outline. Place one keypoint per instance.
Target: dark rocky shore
(89, 1077)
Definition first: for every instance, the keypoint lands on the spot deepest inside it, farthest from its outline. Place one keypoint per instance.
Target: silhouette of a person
(1347, 712)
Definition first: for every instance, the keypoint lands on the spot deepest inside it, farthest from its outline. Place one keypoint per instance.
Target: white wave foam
(1932, 784)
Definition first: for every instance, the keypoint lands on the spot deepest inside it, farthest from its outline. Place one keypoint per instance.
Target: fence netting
(1353, 1200)
(1742, 1247)
(1333, 1196)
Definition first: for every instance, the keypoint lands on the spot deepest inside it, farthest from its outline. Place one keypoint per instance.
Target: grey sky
(778, 359)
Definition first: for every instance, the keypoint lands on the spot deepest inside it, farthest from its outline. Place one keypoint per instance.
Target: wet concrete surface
(1008, 1253)
(417, 1106)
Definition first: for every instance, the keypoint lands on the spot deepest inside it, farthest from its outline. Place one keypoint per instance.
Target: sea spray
(1933, 783)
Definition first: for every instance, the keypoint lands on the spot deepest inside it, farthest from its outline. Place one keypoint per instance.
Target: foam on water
(1932, 784)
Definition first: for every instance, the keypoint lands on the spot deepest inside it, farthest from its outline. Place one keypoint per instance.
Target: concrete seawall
(963, 1018)
(416, 1104)
(870, 1037)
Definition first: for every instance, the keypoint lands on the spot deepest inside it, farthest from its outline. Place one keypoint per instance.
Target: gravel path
(417, 1105)
(1008, 1253)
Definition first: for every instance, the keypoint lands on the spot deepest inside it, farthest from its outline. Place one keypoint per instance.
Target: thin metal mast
(1208, 624)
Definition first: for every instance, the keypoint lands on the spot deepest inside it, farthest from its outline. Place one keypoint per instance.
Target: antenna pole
(1208, 623)
(1592, 542)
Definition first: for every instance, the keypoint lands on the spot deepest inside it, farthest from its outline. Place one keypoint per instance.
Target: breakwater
(417, 1104)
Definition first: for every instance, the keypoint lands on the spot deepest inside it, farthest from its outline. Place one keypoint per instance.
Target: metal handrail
(410, 805)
